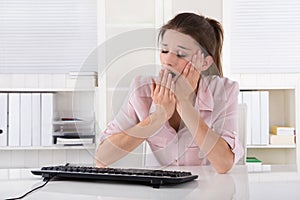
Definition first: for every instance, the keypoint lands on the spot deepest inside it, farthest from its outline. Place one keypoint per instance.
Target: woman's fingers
(152, 87)
(172, 96)
(168, 84)
(186, 70)
(198, 60)
(162, 93)
(163, 84)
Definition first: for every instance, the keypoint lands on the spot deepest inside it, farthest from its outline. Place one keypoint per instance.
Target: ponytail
(218, 30)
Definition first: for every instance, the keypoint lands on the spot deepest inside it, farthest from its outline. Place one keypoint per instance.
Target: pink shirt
(216, 102)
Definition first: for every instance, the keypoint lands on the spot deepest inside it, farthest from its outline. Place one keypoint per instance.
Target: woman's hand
(162, 94)
(193, 71)
(186, 84)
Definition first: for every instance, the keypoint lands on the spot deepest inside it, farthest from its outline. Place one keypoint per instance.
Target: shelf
(57, 147)
(267, 88)
(72, 122)
(47, 89)
(272, 147)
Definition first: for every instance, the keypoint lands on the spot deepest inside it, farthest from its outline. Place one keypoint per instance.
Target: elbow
(226, 166)
(224, 169)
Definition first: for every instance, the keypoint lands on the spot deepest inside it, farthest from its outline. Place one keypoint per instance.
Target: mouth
(172, 73)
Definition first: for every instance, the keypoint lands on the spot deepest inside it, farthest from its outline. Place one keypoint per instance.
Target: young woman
(188, 115)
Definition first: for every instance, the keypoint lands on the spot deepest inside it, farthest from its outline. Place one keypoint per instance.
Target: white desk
(209, 185)
(283, 182)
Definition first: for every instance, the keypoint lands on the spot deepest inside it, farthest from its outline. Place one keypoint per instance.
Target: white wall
(211, 8)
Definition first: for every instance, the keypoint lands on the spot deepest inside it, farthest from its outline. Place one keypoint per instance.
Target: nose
(170, 59)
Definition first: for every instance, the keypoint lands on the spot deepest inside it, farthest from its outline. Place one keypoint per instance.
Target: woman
(188, 115)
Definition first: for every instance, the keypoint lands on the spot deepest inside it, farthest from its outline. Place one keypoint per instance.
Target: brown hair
(206, 31)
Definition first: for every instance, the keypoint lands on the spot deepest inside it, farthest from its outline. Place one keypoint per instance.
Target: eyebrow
(182, 47)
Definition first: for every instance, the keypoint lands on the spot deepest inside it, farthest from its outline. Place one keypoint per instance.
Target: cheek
(161, 57)
(181, 65)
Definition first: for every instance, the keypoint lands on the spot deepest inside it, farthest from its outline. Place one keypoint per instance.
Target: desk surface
(209, 185)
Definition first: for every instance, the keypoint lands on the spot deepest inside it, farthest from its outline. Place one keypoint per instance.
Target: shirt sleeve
(134, 109)
(124, 119)
(226, 123)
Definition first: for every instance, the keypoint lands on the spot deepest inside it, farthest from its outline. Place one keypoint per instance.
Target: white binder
(36, 119)
(25, 120)
(247, 99)
(47, 118)
(264, 116)
(14, 119)
(255, 118)
(3, 119)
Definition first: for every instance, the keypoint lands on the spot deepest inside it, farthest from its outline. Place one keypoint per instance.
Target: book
(252, 160)
(255, 118)
(36, 119)
(14, 119)
(246, 99)
(46, 119)
(74, 134)
(264, 117)
(257, 125)
(282, 139)
(282, 130)
(25, 119)
(253, 164)
(74, 141)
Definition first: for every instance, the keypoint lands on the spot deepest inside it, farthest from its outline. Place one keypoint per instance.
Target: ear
(208, 61)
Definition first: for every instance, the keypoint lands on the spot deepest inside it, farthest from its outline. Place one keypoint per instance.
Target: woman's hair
(206, 31)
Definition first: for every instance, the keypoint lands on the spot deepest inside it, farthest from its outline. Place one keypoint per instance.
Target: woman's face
(177, 50)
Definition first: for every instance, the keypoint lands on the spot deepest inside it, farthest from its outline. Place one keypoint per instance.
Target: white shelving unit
(67, 100)
(283, 110)
(282, 104)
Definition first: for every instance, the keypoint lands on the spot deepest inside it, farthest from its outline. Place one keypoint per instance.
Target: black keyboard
(152, 177)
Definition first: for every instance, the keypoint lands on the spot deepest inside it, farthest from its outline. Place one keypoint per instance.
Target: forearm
(120, 144)
(115, 147)
(214, 147)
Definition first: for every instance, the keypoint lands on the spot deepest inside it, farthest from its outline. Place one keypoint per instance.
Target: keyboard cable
(36, 188)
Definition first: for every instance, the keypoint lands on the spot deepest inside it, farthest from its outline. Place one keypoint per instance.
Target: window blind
(47, 36)
(264, 35)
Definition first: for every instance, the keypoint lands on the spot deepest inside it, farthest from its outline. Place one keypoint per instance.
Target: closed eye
(181, 55)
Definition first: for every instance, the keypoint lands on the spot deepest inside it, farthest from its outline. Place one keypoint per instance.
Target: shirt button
(175, 141)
